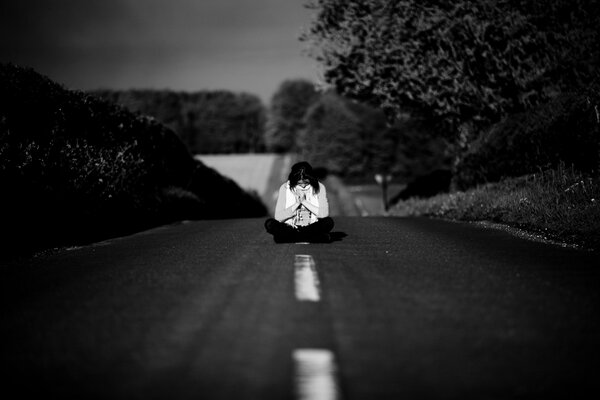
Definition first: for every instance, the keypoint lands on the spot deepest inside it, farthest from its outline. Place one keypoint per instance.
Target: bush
(74, 168)
(560, 204)
(564, 130)
(427, 185)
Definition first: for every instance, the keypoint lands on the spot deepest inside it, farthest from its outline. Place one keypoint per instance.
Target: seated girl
(302, 209)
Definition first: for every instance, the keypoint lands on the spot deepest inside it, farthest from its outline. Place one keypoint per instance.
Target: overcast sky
(239, 45)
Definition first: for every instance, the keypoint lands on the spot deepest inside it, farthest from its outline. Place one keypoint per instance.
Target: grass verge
(560, 204)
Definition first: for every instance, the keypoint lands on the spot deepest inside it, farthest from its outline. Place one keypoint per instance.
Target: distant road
(396, 309)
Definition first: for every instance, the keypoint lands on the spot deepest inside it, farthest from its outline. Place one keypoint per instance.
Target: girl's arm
(282, 213)
(323, 203)
(322, 210)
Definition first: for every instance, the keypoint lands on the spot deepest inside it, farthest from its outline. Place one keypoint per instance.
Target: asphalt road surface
(395, 308)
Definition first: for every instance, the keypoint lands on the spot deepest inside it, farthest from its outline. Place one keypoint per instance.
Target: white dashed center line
(306, 279)
(315, 375)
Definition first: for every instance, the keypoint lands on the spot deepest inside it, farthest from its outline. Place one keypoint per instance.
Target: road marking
(315, 375)
(306, 279)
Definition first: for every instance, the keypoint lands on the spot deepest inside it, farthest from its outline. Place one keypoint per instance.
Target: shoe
(281, 239)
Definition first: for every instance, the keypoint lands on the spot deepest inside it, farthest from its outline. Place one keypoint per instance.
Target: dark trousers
(284, 232)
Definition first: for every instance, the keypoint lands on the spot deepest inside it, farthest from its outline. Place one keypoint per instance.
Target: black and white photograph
(300, 199)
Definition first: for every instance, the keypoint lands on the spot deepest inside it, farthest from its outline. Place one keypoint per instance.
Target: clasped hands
(300, 198)
(302, 201)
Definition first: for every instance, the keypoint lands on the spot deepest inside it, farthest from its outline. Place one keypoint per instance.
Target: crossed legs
(283, 232)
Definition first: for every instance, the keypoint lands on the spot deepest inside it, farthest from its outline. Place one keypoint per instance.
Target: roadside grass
(560, 204)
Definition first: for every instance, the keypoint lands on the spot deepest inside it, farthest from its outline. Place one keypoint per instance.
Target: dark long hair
(300, 171)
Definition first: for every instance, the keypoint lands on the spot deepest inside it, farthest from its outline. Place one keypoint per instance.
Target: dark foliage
(332, 137)
(207, 121)
(417, 149)
(222, 197)
(347, 138)
(458, 62)
(74, 168)
(285, 121)
(427, 185)
(566, 130)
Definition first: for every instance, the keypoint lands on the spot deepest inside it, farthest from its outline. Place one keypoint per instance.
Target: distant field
(261, 173)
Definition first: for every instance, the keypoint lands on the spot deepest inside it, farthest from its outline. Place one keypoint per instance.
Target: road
(402, 308)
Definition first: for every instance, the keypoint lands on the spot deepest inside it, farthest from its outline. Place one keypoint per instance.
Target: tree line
(415, 86)
(218, 121)
(347, 137)
(475, 72)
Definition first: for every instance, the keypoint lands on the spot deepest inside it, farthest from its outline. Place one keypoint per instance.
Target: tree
(332, 138)
(285, 119)
(418, 150)
(458, 63)
(377, 141)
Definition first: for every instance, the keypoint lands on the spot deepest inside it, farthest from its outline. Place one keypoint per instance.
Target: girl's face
(303, 183)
